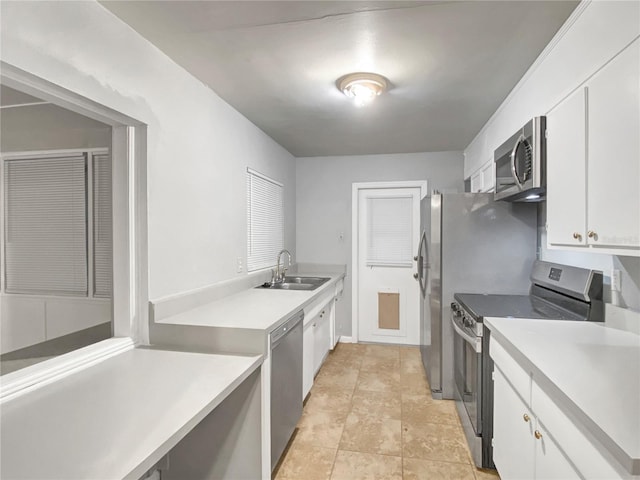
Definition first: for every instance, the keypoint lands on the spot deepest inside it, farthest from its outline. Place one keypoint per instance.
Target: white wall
(323, 199)
(49, 127)
(594, 34)
(198, 146)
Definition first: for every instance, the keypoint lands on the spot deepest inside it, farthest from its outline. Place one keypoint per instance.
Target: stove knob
(454, 306)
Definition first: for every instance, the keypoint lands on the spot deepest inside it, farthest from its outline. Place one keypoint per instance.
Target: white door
(388, 294)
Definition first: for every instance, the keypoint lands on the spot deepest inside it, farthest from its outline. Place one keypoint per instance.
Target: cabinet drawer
(577, 444)
(519, 378)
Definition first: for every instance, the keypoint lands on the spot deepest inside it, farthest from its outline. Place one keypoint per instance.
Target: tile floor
(370, 415)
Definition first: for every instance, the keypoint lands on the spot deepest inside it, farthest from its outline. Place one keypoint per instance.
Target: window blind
(265, 221)
(46, 225)
(389, 226)
(102, 227)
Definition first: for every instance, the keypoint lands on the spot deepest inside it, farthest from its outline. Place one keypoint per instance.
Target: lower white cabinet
(522, 448)
(316, 342)
(322, 336)
(307, 358)
(533, 437)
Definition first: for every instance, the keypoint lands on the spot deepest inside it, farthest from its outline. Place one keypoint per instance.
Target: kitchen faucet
(278, 277)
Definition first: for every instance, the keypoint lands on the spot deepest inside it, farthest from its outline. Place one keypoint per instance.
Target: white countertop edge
(565, 403)
(182, 319)
(161, 450)
(35, 376)
(145, 458)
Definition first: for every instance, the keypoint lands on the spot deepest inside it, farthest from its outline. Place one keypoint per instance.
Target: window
(389, 240)
(48, 220)
(265, 220)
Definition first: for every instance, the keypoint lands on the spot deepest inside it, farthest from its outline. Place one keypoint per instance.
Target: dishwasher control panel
(282, 330)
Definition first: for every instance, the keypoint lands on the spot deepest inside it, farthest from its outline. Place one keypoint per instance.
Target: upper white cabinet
(614, 152)
(593, 161)
(566, 157)
(484, 179)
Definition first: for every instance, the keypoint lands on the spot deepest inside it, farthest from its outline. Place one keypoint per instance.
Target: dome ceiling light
(362, 87)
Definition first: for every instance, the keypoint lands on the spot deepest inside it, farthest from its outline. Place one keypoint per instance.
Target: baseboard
(344, 339)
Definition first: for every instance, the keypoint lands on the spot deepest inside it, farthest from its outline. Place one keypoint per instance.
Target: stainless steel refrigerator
(469, 244)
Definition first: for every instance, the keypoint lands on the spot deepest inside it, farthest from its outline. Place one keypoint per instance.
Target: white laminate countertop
(115, 419)
(255, 308)
(595, 367)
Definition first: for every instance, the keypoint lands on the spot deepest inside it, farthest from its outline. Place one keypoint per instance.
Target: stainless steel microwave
(521, 164)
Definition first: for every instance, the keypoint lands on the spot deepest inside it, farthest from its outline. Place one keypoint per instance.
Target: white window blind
(46, 225)
(389, 239)
(265, 220)
(102, 227)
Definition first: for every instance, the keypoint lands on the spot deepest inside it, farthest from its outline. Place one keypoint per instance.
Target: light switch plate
(239, 266)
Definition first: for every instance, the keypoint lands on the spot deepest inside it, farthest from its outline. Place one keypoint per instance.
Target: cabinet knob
(313, 324)
(415, 275)
(525, 417)
(415, 258)
(537, 434)
(577, 236)
(592, 234)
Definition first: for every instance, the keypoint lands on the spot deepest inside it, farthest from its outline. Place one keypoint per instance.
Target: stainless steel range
(558, 292)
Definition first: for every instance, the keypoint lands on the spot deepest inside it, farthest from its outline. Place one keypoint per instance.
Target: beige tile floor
(370, 415)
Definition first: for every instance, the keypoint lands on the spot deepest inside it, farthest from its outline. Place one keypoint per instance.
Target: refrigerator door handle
(421, 263)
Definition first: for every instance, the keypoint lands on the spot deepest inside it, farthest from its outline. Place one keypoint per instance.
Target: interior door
(388, 293)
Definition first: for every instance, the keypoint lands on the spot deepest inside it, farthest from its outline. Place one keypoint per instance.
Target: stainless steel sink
(296, 283)
(307, 280)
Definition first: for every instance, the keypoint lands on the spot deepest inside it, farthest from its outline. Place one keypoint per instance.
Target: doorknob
(415, 275)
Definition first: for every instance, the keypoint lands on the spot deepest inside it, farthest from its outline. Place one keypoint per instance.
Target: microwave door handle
(514, 173)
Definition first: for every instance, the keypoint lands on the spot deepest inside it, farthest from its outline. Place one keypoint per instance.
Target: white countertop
(595, 367)
(115, 419)
(255, 308)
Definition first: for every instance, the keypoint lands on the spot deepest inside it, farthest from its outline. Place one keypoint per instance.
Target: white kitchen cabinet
(593, 161)
(307, 358)
(512, 432)
(614, 152)
(559, 450)
(566, 154)
(483, 180)
(321, 336)
(522, 448)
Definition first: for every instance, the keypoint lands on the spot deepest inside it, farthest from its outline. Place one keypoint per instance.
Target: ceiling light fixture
(362, 87)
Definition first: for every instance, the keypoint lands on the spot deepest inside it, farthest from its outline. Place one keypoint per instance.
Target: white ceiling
(450, 64)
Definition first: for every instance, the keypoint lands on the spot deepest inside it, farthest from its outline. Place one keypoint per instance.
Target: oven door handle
(475, 342)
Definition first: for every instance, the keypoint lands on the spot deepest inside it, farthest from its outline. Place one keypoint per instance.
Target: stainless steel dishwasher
(286, 383)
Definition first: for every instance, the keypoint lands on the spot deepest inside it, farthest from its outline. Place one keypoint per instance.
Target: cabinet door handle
(592, 234)
(577, 236)
(525, 417)
(537, 434)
